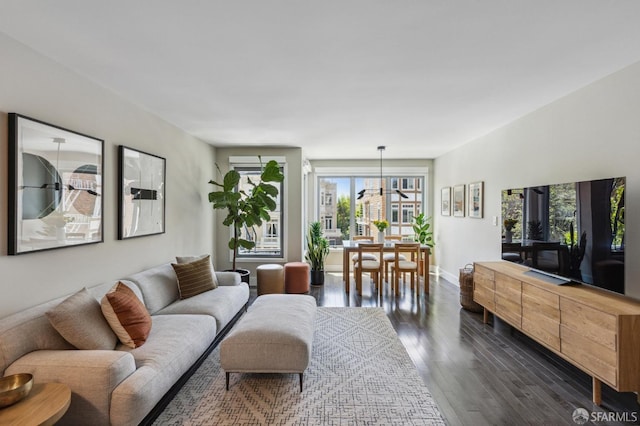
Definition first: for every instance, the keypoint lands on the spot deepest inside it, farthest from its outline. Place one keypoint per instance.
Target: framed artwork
(445, 201)
(458, 201)
(476, 199)
(141, 193)
(55, 187)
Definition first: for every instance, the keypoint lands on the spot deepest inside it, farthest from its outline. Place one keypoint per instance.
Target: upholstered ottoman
(270, 278)
(274, 336)
(296, 277)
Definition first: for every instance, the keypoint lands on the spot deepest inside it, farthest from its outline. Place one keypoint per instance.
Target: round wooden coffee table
(45, 405)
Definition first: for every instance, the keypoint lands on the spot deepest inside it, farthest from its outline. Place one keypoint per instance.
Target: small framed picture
(476, 199)
(141, 193)
(458, 201)
(445, 201)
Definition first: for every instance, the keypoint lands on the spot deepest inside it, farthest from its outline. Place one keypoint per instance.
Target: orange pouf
(296, 277)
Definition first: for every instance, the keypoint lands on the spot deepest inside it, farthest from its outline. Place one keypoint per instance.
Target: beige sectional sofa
(122, 386)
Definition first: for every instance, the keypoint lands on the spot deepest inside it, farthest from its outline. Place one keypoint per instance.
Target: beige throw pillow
(80, 321)
(127, 315)
(189, 259)
(194, 277)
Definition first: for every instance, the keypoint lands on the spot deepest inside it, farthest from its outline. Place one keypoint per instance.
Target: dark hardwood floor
(482, 374)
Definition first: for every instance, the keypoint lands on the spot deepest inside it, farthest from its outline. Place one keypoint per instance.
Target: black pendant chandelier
(381, 191)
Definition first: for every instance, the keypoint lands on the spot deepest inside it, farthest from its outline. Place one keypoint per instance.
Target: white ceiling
(335, 77)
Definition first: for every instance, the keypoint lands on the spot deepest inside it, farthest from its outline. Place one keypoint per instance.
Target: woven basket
(466, 289)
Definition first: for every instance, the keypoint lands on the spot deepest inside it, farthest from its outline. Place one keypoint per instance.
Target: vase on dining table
(381, 236)
(508, 236)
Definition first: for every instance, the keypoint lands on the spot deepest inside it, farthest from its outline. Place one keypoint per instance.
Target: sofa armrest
(91, 374)
(228, 278)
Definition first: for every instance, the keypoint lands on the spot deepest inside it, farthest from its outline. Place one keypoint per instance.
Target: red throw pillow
(127, 315)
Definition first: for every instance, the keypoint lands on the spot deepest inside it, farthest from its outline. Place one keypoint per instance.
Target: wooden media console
(595, 330)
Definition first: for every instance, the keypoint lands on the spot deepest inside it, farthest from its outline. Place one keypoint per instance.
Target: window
(394, 213)
(328, 222)
(356, 202)
(407, 213)
(408, 183)
(268, 237)
(328, 199)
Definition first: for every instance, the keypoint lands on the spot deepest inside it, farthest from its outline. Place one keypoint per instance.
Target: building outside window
(268, 237)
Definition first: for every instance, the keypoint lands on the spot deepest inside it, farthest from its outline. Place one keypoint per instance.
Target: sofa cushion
(189, 259)
(80, 321)
(159, 286)
(126, 315)
(194, 277)
(223, 303)
(176, 342)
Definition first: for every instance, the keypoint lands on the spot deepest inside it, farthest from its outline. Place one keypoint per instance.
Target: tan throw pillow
(194, 277)
(80, 321)
(127, 315)
(189, 259)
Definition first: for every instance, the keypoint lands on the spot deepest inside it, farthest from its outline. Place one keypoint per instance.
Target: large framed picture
(445, 201)
(476, 199)
(55, 187)
(141, 201)
(458, 201)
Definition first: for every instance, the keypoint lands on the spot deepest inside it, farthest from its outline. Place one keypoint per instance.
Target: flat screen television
(573, 232)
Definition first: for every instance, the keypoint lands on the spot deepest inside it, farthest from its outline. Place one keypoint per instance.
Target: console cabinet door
(509, 299)
(589, 338)
(541, 315)
(484, 287)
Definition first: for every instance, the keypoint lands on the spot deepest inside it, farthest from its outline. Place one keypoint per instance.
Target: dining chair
(410, 264)
(374, 267)
(363, 238)
(550, 257)
(389, 258)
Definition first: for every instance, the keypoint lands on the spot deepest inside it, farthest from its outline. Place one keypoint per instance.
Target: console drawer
(590, 323)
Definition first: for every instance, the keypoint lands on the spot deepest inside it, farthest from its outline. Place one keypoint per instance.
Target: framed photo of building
(445, 201)
(141, 198)
(476, 199)
(55, 187)
(458, 201)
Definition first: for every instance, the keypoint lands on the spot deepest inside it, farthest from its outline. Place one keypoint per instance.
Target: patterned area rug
(359, 374)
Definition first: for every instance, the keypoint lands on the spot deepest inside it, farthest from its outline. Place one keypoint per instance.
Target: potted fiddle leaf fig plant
(317, 252)
(246, 209)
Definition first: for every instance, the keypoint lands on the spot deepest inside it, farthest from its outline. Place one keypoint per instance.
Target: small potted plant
(246, 209)
(508, 226)
(381, 225)
(317, 252)
(421, 230)
(422, 233)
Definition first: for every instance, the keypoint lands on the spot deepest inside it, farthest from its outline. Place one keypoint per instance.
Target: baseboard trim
(168, 397)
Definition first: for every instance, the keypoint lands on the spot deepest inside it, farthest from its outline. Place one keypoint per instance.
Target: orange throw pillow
(127, 315)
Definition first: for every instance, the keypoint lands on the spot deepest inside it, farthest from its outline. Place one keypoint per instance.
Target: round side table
(45, 405)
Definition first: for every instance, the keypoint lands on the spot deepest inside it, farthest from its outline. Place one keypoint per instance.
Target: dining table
(349, 247)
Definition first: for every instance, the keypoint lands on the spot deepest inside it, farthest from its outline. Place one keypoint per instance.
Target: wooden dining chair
(366, 239)
(389, 258)
(374, 267)
(410, 264)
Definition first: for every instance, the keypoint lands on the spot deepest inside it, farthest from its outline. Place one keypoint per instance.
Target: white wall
(32, 85)
(592, 133)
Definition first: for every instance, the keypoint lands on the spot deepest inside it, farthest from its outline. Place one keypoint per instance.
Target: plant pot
(244, 274)
(317, 277)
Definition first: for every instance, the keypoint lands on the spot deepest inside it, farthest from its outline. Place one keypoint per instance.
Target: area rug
(359, 374)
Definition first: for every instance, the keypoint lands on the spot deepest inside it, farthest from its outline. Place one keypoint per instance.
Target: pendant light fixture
(381, 190)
